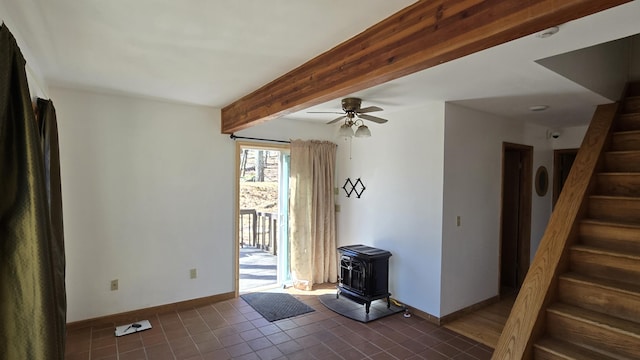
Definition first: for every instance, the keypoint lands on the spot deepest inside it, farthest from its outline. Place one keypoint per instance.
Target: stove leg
(388, 303)
(367, 306)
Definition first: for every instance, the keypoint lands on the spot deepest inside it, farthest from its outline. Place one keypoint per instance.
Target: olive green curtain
(312, 213)
(32, 295)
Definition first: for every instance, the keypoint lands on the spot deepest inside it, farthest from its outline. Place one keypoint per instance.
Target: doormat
(276, 306)
(355, 311)
(133, 328)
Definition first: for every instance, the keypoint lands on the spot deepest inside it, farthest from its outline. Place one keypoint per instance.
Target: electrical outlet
(114, 285)
(193, 273)
(337, 207)
(458, 222)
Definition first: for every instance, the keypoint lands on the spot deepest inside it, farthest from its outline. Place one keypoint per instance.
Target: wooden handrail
(527, 315)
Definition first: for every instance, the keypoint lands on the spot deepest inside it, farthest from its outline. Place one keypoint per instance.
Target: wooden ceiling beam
(425, 34)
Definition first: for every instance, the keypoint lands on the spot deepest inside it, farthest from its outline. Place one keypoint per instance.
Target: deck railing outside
(259, 229)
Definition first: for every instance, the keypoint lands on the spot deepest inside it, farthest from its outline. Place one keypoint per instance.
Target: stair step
(618, 184)
(617, 208)
(622, 161)
(633, 89)
(631, 104)
(553, 349)
(628, 122)
(609, 335)
(624, 238)
(625, 140)
(605, 264)
(612, 297)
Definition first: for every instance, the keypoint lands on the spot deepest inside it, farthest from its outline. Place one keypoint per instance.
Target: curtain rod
(233, 137)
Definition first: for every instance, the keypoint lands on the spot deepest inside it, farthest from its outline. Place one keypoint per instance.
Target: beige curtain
(312, 223)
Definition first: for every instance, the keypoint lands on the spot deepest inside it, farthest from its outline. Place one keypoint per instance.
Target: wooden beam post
(425, 34)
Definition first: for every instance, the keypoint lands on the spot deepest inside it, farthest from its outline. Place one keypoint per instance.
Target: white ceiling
(506, 80)
(207, 52)
(213, 52)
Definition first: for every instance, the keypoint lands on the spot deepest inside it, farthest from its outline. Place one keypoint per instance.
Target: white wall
(288, 129)
(147, 196)
(400, 211)
(146, 192)
(541, 206)
(570, 137)
(601, 68)
(417, 182)
(472, 190)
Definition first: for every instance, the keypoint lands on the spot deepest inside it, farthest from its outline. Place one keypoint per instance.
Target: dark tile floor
(233, 330)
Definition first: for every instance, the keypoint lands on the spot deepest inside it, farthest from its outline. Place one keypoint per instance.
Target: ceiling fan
(353, 114)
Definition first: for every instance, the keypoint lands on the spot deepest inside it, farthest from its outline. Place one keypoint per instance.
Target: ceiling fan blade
(337, 119)
(325, 112)
(375, 119)
(369, 109)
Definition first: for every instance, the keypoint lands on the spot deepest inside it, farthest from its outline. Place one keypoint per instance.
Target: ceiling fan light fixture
(345, 131)
(363, 131)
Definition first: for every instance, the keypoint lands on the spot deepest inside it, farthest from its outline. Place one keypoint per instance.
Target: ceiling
(198, 51)
(506, 80)
(214, 52)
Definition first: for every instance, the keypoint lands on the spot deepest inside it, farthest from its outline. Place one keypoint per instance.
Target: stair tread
(622, 152)
(626, 132)
(604, 251)
(611, 223)
(629, 328)
(634, 226)
(614, 197)
(615, 285)
(570, 351)
(618, 173)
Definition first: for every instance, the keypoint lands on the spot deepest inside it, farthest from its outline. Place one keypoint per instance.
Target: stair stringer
(526, 320)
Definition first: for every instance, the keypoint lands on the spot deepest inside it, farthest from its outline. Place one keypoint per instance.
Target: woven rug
(276, 306)
(355, 311)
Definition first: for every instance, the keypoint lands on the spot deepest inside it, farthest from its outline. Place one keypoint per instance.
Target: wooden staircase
(596, 311)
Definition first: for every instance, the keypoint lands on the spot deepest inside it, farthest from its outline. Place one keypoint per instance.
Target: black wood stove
(364, 274)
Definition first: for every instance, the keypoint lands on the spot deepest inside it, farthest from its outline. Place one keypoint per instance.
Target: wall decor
(542, 181)
(356, 187)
